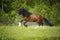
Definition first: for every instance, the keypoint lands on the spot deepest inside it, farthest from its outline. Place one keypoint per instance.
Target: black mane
(24, 12)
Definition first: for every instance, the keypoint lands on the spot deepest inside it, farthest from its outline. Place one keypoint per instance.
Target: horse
(29, 17)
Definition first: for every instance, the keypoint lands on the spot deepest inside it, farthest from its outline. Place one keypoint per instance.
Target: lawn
(29, 33)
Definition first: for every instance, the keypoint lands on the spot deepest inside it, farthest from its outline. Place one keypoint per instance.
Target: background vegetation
(49, 9)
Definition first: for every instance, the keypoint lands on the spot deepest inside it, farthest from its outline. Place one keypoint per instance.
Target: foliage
(49, 9)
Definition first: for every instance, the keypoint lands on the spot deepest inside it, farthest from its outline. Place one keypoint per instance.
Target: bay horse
(29, 17)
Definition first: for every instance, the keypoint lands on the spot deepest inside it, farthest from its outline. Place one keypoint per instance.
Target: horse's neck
(26, 14)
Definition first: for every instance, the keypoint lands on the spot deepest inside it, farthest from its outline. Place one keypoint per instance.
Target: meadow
(29, 33)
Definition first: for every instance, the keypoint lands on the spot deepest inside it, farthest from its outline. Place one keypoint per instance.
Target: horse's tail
(47, 22)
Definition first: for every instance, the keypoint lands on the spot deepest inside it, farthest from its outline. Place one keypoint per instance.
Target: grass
(30, 33)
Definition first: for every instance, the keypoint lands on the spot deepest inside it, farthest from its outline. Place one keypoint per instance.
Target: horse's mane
(25, 12)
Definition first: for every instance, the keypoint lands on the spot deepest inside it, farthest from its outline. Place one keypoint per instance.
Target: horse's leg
(25, 24)
(40, 23)
(21, 21)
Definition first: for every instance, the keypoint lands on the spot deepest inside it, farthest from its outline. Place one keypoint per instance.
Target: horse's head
(24, 12)
(21, 11)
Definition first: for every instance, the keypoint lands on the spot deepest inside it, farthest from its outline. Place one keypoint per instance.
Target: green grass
(30, 33)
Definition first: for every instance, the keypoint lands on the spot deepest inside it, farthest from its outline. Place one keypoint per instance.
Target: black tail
(47, 22)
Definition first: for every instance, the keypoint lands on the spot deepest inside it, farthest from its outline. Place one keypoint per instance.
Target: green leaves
(49, 9)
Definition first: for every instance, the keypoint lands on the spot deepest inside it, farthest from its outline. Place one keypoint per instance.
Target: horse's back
(35, 17)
